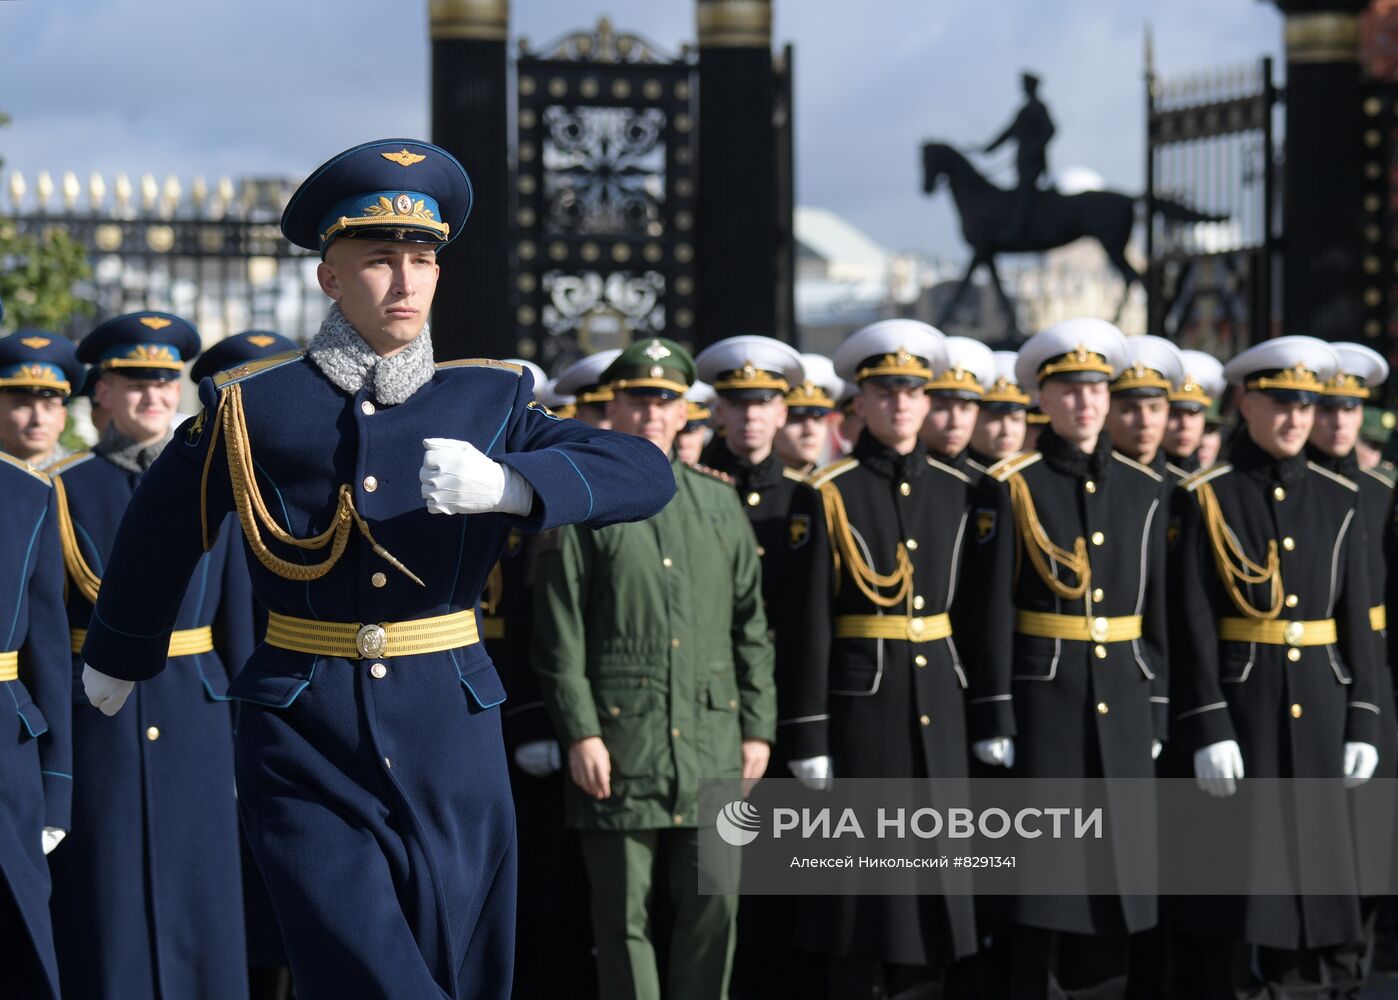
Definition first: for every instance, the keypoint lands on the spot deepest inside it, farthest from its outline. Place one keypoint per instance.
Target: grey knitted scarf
(341, 353)
(124, 453)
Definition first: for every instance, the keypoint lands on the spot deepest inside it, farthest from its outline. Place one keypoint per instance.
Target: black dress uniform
(970, 372)
(873, 680)
(1284, 666)
(1202, 383)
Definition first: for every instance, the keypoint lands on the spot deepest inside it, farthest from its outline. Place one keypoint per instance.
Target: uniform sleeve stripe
(584, 482)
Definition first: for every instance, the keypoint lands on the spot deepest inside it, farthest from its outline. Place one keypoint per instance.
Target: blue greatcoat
(374, 793)
(36, 784)
(147, 889)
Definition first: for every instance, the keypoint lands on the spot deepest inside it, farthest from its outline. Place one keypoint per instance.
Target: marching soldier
(583, 381)
(1190, 400)
(657, 671)
(1275, 657)
(39, 372)
(1000, 423)
(689, 446)
(850, 425)
(371, 774)
(1140, 405)
(956, 396)
(36, 765)
(873, 686)
(803, 443)
(1068, 650)
(147, 892)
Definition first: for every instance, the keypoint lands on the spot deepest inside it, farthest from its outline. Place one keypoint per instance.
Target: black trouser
(1030, 963)
(1223, 969)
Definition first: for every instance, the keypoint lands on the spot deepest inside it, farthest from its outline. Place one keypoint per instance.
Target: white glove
(458, 479)
(53, 836)
(1155, 747)
(1217, 768)
(106, 693)
(813, 772)
(539, 758)
(1360, 761)
(999, 752)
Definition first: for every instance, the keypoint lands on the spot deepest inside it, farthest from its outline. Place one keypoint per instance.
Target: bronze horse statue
(1055, 219)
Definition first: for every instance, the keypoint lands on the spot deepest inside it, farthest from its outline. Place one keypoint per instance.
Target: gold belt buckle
(1098, 629)
(371, 641)
(915, 627)
(1293, 633)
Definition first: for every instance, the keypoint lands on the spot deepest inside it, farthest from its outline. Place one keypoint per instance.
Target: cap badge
(403, 158)
(401, 207)
(1081, 354)
(155, 322)
(748, 373)
(261, 341)
(403, 204)
(36, 342)
(656, 371)
(150, 352)
(657, 350)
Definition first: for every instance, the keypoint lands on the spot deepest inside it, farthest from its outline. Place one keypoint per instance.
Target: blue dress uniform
(147, 888)
(371, 773)
(36, 783)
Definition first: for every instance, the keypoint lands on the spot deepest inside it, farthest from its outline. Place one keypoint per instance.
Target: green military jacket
(652, 636)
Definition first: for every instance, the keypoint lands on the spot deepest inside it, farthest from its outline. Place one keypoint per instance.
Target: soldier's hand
(457, 478)
(107, 693)
(1217, 768)
(813, 772)
(590, 767)
(756, 755)
(538, 758)
(999, 752)
(53, 836)
(1360, 761)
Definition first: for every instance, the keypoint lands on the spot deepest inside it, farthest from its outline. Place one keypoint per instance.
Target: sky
(271, 88)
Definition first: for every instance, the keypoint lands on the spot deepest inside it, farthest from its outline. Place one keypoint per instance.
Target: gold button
(379, 580)
(1098, 538)
(1102, 708)
(1099, 629)
(732, 702)
(905, 488)
(1292, 600)
(667, 562)
(916, 625)
(378, 671)
(153, 733)
(367, 408)
(1098, 594)
(615, 710)
(1100, 652)
(1293, 654)
(1288, 543)
(1293, 633)
(754, 499)
(918, 602)
(912, 544)
(761, 551)
(370, 484)
(1090, 486)
(674, 644)
(920, 660)
(675, 732)
(1278, 493)
(924, 720)
(678, 819)
(1296, 711)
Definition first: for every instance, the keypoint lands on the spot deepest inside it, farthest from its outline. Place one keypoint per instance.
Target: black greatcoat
(1076, 709)
(880, 708)
(1291, 718)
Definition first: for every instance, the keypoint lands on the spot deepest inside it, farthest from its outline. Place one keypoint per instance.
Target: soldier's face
(1336, 430)
(384, 288)
(1076, 410)
(1137, 426)
(802, 441)
(894, 414)
(30, 424)
(139, 408)
(1278, 428)
(750, 425)
(949, 424)
(657, 420)
(1210, 444)
(999, 434)
(689, 445)
(1183, 431)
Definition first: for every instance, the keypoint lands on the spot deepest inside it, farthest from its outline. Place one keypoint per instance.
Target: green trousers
(626, 869)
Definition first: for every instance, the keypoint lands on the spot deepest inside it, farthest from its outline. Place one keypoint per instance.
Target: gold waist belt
(892, 627)
(1278, 632)
(1078, 628)
(492, 628)
(183, 642)
(1378, 617)
(9, 666)
(352, 641)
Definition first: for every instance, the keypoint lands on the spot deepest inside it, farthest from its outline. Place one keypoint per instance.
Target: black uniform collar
(749, 476)
(958, 461)
(1348, 466)
(983, 460)
(1189, 463)
(1071, 460)
(1158, 463)
(884, 461)
(1247, 457)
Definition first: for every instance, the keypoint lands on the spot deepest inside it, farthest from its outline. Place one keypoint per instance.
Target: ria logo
(738, 823)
